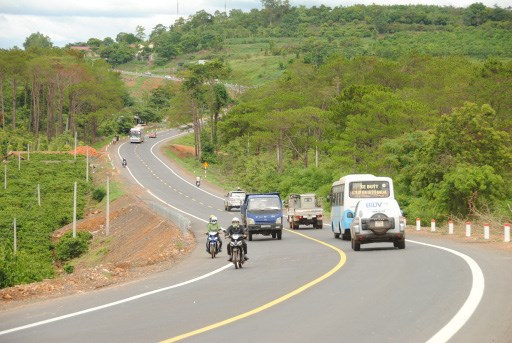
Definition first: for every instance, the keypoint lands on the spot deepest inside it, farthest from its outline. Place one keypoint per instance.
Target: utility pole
(107, 220)
(74, 212)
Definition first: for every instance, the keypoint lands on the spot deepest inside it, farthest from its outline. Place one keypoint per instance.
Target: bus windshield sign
(369, 189)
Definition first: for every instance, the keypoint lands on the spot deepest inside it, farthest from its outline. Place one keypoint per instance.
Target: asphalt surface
(306, 287)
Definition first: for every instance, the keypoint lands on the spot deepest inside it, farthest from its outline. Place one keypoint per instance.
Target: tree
(462, 168)
(37, 40)
(94, 43)
(207, 76)
(128, 38)
(117, 53)
(476, 14)
(275, 8)
(140, 33)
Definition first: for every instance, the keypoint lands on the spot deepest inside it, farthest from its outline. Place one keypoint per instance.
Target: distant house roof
(81, 48)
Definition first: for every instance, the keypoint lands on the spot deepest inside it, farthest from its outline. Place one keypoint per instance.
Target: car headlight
(250, 221)
(279, 220)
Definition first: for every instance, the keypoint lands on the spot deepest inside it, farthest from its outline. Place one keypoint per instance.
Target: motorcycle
(198, 183)
(237, 251)
(213, 243)
(124, 163)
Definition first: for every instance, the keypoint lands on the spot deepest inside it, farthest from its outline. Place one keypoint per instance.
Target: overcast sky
(70, 21)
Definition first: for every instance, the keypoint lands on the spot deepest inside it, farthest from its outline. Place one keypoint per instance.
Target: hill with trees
(419, 93)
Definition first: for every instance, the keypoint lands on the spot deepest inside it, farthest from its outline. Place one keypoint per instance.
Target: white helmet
(235, 221)
(213, 219)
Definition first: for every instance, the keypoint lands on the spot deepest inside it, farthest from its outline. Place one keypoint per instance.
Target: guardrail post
(468, 229)
(486, 231)
(507, 232)
(433, 225)
(450, 227)
(418, 224)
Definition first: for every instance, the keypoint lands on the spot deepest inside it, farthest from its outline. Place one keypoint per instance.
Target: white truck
(305, 209)
(234, 199)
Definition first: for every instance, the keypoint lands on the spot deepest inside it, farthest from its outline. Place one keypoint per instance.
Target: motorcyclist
(124, 162)
(236, 228)
(198, 181)
(214, 226)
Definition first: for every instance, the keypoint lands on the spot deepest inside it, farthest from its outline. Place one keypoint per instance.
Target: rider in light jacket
(214, 226)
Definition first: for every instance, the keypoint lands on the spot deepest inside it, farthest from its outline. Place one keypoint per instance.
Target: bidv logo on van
(376, 204)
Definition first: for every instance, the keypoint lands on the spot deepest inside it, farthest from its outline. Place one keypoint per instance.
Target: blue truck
(262, 214)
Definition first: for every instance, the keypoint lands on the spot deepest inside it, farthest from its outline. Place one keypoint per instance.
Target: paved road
(306, 287)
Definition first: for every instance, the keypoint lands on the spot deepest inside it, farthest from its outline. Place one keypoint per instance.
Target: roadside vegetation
(281, 98)
(31, 216)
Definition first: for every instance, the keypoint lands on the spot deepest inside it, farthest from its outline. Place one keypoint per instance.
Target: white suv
(377, 220)
(234, 199)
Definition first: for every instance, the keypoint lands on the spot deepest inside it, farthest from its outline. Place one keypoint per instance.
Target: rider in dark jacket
(236, 228)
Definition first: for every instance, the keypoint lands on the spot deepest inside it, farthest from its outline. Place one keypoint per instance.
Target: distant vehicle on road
(263, 214)
(147, 73)
(377, 220)
(346, 193)
(234, 199)
(137, 134)
(152, 134)
(305, 209)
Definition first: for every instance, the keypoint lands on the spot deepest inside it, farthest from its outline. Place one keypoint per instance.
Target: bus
(137, 134)
(346, 193)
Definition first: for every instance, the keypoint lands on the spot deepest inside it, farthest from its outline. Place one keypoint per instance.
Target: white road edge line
(97, 308)
(471, 303)
(172, 171)
(136, 296)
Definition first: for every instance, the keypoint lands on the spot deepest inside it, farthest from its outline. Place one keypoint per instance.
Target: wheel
(250, 236)
(352, 243)
(320, 225)
(279, 235)
(336, 235)
(357, 246)
(212, 250)
(236, 259)
(395, 244)
(401, 245)
(229, 208)
(273, 234)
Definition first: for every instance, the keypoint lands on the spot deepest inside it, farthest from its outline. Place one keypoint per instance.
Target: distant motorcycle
(237, 251)
(124, 163)
(213, 243)
(198, 183)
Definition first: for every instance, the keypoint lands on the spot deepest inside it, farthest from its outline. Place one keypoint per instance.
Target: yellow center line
(341, 262)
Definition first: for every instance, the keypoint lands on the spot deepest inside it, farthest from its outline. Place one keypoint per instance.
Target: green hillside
(295, 97)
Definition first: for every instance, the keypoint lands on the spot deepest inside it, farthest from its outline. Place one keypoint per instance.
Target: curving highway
(307, 287)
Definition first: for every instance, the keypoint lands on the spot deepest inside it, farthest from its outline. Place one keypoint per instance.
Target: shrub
(68, 247)
(98, 194)
(69, 268)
